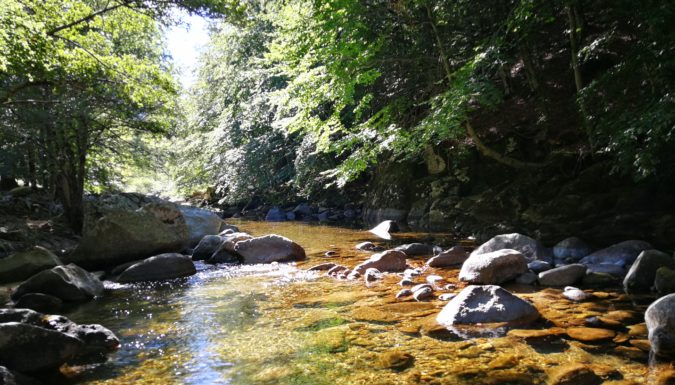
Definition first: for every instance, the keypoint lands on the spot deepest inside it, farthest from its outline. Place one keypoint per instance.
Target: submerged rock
(587, 334)
(486, 304)
(395, 360)
(389, 261)
(159, 267)
(621, 254)
(322, 266)
(563, 275)
(24, 264)
(531, 249)
(270, 248)
(494, 267)
(642, 273)
(452, 257)
(574, 374)
(660, 320)
(69, 283)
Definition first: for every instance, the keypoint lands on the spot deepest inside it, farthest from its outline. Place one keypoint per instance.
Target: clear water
(279, 324)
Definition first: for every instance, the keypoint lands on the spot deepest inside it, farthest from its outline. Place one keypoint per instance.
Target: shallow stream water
(279, 324)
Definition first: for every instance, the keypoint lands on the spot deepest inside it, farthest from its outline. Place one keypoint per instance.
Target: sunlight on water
(279, 324)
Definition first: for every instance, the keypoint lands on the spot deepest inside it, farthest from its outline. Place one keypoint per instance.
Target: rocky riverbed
(296, 323)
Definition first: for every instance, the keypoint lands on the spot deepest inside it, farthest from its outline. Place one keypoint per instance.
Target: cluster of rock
(233, 246)
(131, 244)
(302, 212)
(32, 343)
(520, 259)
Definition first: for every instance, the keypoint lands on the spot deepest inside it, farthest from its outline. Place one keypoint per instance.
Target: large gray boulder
(563, 275)
(97, 339)
(270, 248)
(200, 223)
(454, 256)
(621, 254)
(570, 250)
(660, 319)
(530, 248)
(68, 283)
(389, 261)
(29, 348)
(159, 267)
(23, 264)
(124, 236)
(494, 267)
(486, 304)
(640, 277)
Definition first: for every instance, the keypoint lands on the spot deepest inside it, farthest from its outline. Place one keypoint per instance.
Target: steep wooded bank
(541, 116)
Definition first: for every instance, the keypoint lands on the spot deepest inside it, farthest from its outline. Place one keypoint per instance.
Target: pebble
(353, 275)
(574, 294)
(336, 269)
(372, 274)
(433, 279)
(322, 266)
(404, 293)
(423, 293)
(409, 273)
(447, 296)
(406, 282)
(330, 254)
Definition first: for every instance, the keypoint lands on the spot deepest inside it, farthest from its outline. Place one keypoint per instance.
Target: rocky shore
(484, 288)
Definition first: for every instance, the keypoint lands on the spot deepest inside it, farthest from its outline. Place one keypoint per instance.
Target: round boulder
(412, 249)
(660, 320)
(267, 249)
(528, 247)
(69, 283)
(621, 254)
(640, 277)
(570, 250)
(494, 267)
(159, 267)
(454, 256)
(23, 264)
(200, 222)
(389, 261)
(29, 348)
(206, 247)
(563, 275)
(486, 304)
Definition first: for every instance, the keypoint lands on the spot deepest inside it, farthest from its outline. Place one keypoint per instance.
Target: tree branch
(91, 16)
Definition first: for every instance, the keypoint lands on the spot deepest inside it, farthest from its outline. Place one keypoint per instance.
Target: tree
(75, 75)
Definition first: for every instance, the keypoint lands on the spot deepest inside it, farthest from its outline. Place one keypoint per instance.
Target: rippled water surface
(278, 324)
